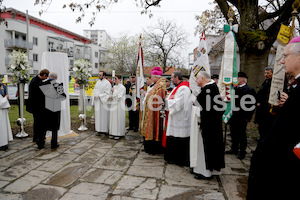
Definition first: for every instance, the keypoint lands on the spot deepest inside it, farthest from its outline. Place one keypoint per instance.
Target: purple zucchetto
(295, 40)
(156, 71)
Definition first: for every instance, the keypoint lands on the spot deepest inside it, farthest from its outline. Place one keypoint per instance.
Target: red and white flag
(139, 71)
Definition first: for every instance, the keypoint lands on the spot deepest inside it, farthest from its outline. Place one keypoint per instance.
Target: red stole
(164, 139)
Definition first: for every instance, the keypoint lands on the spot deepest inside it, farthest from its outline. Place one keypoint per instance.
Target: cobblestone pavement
(90, 167)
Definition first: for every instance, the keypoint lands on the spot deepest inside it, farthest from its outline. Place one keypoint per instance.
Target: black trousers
(134, 119)
(177, 150)
(39, 129)
(238, 134)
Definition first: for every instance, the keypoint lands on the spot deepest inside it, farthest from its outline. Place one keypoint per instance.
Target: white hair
(203, 74)
(53, 75)
(295, 47)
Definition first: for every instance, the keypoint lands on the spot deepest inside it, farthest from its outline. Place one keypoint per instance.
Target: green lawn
(74, 111)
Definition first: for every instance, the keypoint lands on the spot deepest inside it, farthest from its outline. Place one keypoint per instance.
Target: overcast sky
(122, 17)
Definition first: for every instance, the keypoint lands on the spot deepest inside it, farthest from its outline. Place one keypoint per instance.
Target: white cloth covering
(179, 120)
(5, 133)
(197, 154)
(58, 62)
(117, 111)
(100, 101)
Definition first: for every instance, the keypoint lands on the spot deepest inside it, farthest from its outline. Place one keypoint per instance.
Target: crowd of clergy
(188, 129)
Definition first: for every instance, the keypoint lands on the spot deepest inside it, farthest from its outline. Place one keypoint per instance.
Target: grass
(74, 112)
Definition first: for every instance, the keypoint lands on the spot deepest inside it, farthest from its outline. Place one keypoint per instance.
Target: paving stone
(47, 154)
(82, 147)
(148, 161)
(112, 163)
(147, 190)
(171, 191)
(122, 152)
(68, 175)
(91, 156)
(122, 198)
(97, 175)
(176, 175)
(11, 196)
(105, 144)
(27, 182)
(17, 157)
(129, 144)
(3, 183)
(57, 163)
(7, 153)
(20, 169)
(211, 195)
(146, 171)
(130, 182)
(232, 186)
(73, 196)
(44, 192)
(94, 189)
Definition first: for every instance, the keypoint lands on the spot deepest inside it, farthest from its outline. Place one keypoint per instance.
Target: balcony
(17, 43)
(7, 60)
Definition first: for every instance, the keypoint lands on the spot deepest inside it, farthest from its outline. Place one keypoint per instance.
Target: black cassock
(211, 125)
(275, 169)
(36, 106)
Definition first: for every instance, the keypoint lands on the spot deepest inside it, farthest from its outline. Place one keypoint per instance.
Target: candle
(113, 73)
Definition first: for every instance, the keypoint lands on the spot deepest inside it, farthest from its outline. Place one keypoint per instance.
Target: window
(35, 71)
(96, 65)
(96, 54)
(72, 62)
(35, 57)
(35, 41)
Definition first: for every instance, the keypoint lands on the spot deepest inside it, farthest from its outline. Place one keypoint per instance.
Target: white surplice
(5, 133)
(197, 157)
(117, 111)
(197, 154)
(179, 120)
(101, 95)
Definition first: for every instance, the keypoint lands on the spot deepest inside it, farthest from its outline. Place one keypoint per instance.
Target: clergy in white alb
(5, 133)
(179, 106)
(101, 94)
(117, 110)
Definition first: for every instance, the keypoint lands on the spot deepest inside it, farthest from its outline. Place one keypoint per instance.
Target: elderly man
(241, 116)
(101, 96)
(152, 128)
(263, 117)
(210, 129)
(179, 105)
(274, 171)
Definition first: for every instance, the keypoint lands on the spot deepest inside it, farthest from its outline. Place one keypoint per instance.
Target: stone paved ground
(90, 167)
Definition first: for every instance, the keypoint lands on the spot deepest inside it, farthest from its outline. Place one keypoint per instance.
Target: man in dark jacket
(36, 106)
(242, 114)
(263, 117)
(275, 169)
(54, 94)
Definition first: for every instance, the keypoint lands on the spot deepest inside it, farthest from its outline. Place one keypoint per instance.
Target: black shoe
(135, 130)
(241, 156)
(201, 177)
(54, 146)
(4, 148)
(231, 152)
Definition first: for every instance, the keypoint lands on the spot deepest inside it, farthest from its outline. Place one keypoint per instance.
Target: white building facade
(100, 37)
(43, 37)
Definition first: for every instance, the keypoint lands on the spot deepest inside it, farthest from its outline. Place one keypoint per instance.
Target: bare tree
(165, 41)
(259, 23)
(123, 54)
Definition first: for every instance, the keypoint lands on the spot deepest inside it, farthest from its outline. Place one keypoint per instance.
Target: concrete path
(94, 167)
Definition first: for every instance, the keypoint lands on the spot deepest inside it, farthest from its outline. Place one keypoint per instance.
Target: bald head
(53, 75)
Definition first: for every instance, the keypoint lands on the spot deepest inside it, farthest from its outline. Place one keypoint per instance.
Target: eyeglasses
(284, 56)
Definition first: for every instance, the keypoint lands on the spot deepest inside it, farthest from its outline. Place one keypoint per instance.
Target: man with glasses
(36, 106)
(275, 168)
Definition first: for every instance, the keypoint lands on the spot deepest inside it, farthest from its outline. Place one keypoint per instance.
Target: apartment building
(99, 37)
(43, 37)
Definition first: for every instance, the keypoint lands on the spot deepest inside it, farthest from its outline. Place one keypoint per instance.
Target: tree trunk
(254, 64)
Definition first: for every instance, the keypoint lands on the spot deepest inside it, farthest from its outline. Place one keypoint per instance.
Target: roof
(44, 25)
(147, 70)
